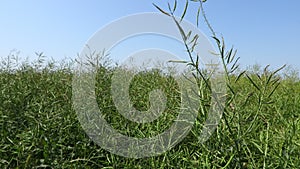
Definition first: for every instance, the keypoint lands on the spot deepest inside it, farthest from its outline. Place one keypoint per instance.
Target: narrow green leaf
(198, 14)
(274, 81)
(223, 48)
(218, 41)
(271, 93)
(239, 76)
(228, 55)
(194, 41)
(162, 11)
(195, 38)
(188, 35)
(266, 68)
(193, 46)
(234, 68)
(178, 61)
(269, 79)
(253, 83)
(175, 6)
(233, 56)
(235, 63)
(169, 7)
(197, 61)
(279, 69)
(185, 9)
(258, 76)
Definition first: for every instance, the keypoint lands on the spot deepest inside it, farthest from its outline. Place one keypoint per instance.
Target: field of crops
(39, 127)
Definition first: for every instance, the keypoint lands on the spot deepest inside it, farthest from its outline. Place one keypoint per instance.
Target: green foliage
(39, 127)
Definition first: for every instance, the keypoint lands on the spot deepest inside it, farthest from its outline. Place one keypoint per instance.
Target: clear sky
(264, 32)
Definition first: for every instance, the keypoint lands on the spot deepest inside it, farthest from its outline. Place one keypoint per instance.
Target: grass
(40, 129)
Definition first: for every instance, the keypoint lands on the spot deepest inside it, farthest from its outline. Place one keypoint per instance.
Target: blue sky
(263, 32)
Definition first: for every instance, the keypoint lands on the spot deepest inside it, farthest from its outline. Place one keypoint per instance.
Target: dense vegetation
(39, 128)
